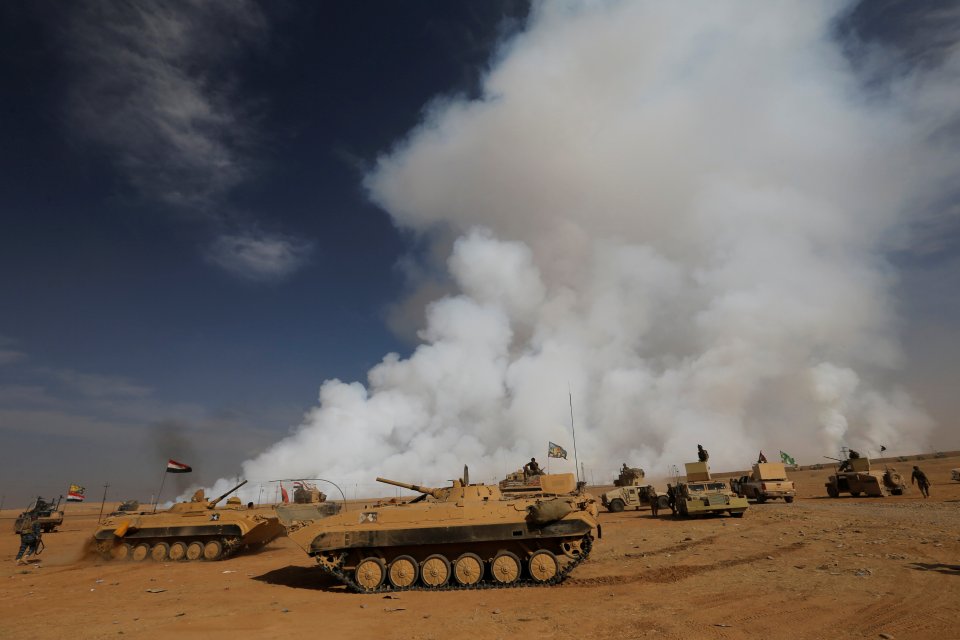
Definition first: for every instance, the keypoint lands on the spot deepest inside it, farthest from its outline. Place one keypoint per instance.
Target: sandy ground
(817, 568)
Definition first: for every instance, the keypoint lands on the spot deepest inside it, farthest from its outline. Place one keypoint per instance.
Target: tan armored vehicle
(629, 476)
(702, 495)
(854, 476)
(767, 481)
(458, 537)
(193, 530)
(633, 497)
(48, 514)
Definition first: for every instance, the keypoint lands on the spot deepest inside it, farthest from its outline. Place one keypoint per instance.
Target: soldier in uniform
(672, 498)
(920, 478)
(532, 468)
(29, 537)
(652, 496)
(702, 453)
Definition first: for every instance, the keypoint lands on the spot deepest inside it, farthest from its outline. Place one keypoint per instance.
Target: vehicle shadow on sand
(302, 578)
(939, 567)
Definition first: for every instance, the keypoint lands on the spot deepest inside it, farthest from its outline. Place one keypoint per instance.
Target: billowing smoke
(680, 217)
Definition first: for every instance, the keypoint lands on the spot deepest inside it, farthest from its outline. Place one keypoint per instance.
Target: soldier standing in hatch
(532, 468)
(702, 453)
(922, 482)
(29, 537)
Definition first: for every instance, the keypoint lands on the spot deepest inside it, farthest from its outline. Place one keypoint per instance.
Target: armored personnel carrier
(194, 530)
(48, 514)
(458, 537)
(855, 476)
(702, 495)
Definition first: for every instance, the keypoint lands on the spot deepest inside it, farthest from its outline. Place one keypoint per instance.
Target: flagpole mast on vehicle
(102, 502)
(163, 479)
(576, 465)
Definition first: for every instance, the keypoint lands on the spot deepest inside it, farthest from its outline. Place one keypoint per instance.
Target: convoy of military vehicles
(530, 529)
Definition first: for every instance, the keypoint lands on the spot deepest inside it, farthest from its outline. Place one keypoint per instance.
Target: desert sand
(817, 568)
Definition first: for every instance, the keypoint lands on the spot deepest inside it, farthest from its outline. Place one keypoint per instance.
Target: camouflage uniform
(922, 482)
(29, 538)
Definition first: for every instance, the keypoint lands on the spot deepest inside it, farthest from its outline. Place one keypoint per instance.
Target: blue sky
(190, 247)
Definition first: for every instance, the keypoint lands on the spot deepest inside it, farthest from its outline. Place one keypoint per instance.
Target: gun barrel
(412, 487)
(829, 458)
(213, 503)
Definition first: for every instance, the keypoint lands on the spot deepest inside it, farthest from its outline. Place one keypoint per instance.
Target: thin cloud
(94, 385)
(260, 258)
(154, 87)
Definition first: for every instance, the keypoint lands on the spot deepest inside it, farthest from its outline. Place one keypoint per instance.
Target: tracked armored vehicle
(458, 537)
(702, 495)
(855, 476)
(188, 531)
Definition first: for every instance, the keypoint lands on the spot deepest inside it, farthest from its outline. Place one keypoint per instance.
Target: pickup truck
(767, 481)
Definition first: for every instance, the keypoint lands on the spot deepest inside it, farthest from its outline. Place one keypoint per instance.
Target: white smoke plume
(680, 215)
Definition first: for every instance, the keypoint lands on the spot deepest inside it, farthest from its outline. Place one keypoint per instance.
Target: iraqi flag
(178, 467)
(76, 493)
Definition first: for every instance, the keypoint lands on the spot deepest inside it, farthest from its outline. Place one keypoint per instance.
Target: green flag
(785, 457)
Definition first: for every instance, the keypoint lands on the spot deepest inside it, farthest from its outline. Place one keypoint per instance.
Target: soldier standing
(652, 497)
(672, 498)
(922, 482)
(29, 537)
(702, 453)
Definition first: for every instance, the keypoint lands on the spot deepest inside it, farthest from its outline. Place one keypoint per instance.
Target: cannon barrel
(413, 487)
(212, 503)
(829, 458)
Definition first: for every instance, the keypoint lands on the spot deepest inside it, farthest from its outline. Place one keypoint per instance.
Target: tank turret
(457, 491)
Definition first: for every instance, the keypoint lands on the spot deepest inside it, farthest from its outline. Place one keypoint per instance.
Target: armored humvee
(632, 496)
(702, 495)
(47, 511)
(629, 476)
(855, 476)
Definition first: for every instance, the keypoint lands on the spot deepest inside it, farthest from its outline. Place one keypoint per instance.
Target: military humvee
(854, 476)
(702, 495)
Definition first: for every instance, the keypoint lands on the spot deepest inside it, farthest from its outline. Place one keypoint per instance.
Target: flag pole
(576, 465)
(102, 502)
(163, 479)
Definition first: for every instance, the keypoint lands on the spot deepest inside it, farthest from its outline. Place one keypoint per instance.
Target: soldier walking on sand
(652, 496)
(29, 537)
(922, 482)
(672, 498)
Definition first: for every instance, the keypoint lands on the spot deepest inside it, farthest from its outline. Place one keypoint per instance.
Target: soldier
(922, 482)
(532, 468)
(29, 537)
(672, 498)
(652, 496)
(702, 453)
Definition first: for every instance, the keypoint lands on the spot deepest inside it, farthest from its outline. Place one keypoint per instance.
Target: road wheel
(663, 502)
(468, 569)
(121, 551)
(194, 550)
(212, 550)
(140, 552)
(370, 573)
(435, 571)
(788, 499)
(543, 566)
(160, 551)
(761, 498)
(616, 505)
(832, 491)
(403, 572)
(178, 551)
(505, 567)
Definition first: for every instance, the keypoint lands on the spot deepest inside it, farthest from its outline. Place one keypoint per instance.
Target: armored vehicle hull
(188, 531)
(856, 477)
(633, 497)
(467, 536)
